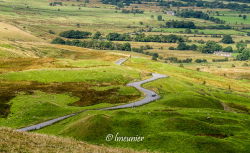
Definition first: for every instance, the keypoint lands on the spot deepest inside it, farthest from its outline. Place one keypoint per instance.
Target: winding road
(149, 97)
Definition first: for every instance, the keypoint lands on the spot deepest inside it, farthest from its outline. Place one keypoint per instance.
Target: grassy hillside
(13, 141)
(190, 117)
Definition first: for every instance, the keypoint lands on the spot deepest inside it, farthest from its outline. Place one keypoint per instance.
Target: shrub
(245, 55)
(227, 49)
(227, 39)
(58, 41)
(220, 60)
(200, 60)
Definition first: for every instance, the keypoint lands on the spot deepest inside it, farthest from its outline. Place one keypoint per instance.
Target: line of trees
(180, 24)
(208, 48)
(176, 60)
(242, 1)
(220, 60)
(72, 34)
(145, 38)
(55, 3)
(200, 61)
(121, 3)
(187, 60)
(184, 3)
(205, 4)
(95, 44)
(187, 13)
(134, 11)
(106, 45)
(75, 34)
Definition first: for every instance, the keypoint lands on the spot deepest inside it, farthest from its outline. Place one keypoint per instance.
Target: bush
(159, 18)
(51, 32)
(175, 60)
(200, 60)
(227, 39)
(245, 64)
(171, 48)
(58, 41)
(172, 59)
(181, 65)
(245, 55)
(97, 35)
(227, 49)
(220, 60)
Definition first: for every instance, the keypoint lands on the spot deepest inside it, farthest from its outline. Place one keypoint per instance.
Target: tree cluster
(105, 45)
(227, 39)
(187, 13)
(245, 55)
(144, 38)
(95, 44)
(220, 60)
(180, 24)
(176, 60)
(201, 61)
(75, 34)
(134, 11)
(121, 3)
(210, 47)
(55, 3)
(205, 4)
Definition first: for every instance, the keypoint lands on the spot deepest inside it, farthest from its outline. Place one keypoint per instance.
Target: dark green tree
(58, 41)
(245, 55)
(210, 47)
(227, 49)
(244, 17)
(97, 35)
(227, 39)
(155, 56)
(241, 46)
(159, 18)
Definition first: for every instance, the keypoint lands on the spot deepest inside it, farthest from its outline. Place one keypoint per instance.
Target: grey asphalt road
(121, 61)
(149, 97)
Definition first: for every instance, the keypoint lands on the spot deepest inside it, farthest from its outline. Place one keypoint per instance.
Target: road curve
(121, 61)
(149, 97)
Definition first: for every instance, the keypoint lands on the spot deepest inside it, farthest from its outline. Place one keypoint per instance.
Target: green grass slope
(189, 118)
(12, 141)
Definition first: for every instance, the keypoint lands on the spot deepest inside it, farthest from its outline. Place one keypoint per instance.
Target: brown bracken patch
(87, 95)
(19, 64)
